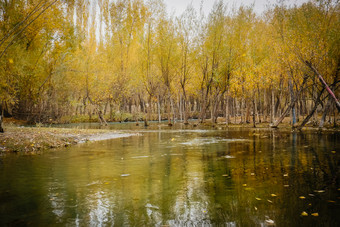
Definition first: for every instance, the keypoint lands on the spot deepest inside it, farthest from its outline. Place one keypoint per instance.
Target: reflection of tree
(172, 185)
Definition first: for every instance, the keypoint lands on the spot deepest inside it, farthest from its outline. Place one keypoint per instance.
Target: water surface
(177, 177)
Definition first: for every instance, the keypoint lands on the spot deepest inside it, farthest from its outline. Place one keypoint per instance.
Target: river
(179, 176)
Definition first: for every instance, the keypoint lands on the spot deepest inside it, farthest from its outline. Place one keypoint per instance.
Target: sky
(178, 6)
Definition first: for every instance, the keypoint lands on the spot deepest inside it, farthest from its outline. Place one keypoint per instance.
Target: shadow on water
(178, 177)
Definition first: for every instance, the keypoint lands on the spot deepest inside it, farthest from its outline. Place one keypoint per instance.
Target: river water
(177, 177)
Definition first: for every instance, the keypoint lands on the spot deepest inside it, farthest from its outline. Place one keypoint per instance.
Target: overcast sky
(178, 6)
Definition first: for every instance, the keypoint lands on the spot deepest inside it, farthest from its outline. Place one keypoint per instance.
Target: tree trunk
(292, 97)
(254, 110)
(327, 108)
(101, 118)
(325, 84)
(1, 128)
(317, 101)
(159, 110)
(286, 111)
(227, 109)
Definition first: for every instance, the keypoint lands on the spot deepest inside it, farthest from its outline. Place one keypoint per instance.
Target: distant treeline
(130, 60)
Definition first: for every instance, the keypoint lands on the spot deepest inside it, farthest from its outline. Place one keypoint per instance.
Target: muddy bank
(33, 140)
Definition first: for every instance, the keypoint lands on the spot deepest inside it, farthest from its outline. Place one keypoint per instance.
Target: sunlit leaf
(258, 198)
(304, 213)
(302, 197)
(315, 214)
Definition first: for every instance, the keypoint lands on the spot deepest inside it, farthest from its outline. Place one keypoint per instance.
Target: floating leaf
(304, 213)
(225, 175)
(255, 208)
(270, 222)
(273, 195)
(311, 194)
(173, 139)
(302, 197)
(333, 152)
(10, 61)
(244, 185)
(331, 201)
(319, 191)
(315, 214)
(258, 199)
(285, 175)
(252, 174)
(269, 201)
(286, 185)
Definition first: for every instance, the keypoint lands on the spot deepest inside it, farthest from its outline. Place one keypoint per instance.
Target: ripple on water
(204, 141)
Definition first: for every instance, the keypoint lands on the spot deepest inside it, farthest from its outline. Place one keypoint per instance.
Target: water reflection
(178, 178)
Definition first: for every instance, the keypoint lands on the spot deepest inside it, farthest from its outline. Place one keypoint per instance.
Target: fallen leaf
(285, 175)
(258, 199)
(286, 185)
(269, 201)
(244, 185)
(273, 195)
(270, 222)
(333, 152)
(173, 139)
(304, 213)
(255, 208)
(315, 214)
(319, 191)
(331, 201)
(302, 197)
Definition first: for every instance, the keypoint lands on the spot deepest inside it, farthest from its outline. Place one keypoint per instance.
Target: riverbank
(32, 140)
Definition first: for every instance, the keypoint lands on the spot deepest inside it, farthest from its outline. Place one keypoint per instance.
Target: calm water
(177, 177)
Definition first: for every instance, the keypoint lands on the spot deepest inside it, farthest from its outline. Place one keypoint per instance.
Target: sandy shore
(31, 140)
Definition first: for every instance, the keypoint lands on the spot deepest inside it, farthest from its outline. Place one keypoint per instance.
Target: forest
(130, 60)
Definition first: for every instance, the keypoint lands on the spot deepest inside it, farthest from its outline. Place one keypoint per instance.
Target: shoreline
(31, 140)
